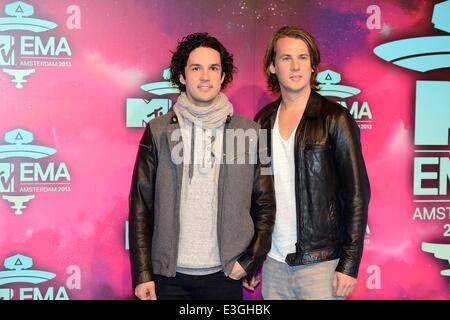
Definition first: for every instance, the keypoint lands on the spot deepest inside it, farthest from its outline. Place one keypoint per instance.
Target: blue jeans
(305, 282)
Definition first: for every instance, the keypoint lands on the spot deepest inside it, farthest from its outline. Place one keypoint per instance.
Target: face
(292, 65)
(203, 76)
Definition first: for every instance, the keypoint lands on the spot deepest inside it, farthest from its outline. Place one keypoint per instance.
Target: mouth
(295, 77)
(204, 87)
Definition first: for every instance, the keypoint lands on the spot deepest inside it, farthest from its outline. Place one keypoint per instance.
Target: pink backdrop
(75, 102)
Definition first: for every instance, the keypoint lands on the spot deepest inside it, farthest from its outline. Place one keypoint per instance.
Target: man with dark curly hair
(201, 209)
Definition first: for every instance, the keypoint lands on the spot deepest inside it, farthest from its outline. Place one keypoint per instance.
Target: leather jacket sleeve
(263, 215)
(141, 209)
(354, 190)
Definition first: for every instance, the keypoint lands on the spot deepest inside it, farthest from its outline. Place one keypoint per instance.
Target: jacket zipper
(177, 226)
(298, 179)
(221, 194)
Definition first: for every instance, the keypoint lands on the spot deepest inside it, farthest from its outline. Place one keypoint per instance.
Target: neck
(295, 100)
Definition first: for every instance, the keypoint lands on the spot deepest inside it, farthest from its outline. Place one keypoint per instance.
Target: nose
(295, 65)
(205, 75)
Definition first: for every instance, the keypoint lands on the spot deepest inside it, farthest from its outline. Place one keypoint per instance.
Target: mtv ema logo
(329, 87)
(19, 270)
(20, 54)
(141, 111)
(21, 177)
(432, 123)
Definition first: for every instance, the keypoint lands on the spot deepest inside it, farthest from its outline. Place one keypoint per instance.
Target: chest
(288, 121)
(312, 130)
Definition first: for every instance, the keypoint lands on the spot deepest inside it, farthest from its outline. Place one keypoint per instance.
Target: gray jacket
(246, 203)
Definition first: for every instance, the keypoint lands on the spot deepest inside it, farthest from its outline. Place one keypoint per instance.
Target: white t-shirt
(284, 234)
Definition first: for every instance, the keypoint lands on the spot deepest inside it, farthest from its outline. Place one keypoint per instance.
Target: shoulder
(240, 122)
(159, 124)
(339, 118)
(266, 111)
(334, 110)
(156, 128)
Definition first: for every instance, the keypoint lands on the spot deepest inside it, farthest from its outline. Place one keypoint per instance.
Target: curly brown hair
(193, 41)
(296, 33)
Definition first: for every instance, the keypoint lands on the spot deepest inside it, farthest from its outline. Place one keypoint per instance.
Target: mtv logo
(329, 77)
(6, 294)
(19, 9)
(441, 16)
(432, 119)
(19, 136)
(18, 262)
(440, 251)
(6, 50)
(19, 270)
(18, 202)
(18, 19)
(6, 177)
(141, 111)
(329, 86)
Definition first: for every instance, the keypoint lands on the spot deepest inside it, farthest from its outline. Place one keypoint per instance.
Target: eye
(285, 58)
(195, 68)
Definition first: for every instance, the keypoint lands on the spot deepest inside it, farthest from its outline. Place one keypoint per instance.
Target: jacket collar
(314, 105)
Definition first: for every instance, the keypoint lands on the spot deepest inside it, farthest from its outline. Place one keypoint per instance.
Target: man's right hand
(146, 291)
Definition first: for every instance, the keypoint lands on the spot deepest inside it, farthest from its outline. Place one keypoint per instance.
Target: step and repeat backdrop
(79, 80)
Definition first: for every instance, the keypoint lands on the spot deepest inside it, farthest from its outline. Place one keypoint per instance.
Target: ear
(223, 78)
(272, 68)
(182, 80)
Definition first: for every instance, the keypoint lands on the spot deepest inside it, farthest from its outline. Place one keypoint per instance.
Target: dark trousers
(214, 286)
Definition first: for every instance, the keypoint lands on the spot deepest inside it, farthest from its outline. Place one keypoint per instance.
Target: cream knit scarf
(210, 117)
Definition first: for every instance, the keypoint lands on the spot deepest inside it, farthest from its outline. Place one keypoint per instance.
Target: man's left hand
(238, 272)
(252, 283)
(343, 284)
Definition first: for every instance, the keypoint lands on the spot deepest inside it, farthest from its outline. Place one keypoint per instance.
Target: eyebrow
(199, 65)
(287, 54)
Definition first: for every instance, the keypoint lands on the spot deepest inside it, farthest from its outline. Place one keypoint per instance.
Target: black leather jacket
(332, 188)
